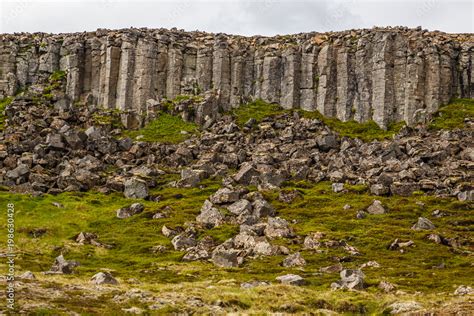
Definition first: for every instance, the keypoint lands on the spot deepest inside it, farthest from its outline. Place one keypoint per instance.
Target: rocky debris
(350, 279)
(376, 208)
(103, 278)
(379, 189)
(201, 251)
(291, 279)
(423, 224)
(168, 232)
(184, 241)
(332, 269)
(278, 228)
(28, 275)
(337, 187)
(387, 287)
(466, 195)
(312, 241)
(399, 245)
(128, 211)
(404, 307)
(62, 266)
(133, 310)
(227, 258)
(246, 174)
(294, 260)
(239, 207)
(135, 188)
(464, 290)
(450, 242)
(210, 215)
(84, 238)
(224, 196)
(361, 214)
(288, 196)
(158, 249)
(370, 264)
(253, 284)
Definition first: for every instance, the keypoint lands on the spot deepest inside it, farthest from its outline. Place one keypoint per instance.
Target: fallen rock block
(103, 278)
(291, 279)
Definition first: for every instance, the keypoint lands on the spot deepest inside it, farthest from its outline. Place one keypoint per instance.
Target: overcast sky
(246, 17)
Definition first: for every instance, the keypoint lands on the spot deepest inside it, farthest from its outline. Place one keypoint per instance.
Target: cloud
(246, 17)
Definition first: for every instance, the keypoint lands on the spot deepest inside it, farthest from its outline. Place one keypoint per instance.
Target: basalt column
(290, 81)
(308, 78)
(327, 81)
(221, 71)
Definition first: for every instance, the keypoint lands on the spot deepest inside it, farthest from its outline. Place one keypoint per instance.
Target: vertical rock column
(237, 77)
(145, 69)
(72, 61)
(399, 75)
(125, 80)
(363, 69)
(382, 79)
(327, 81)
(221, 71)
(175, 70)
(290, 81)
(92, 68)
(346, 80)
(414, 89)
(308, 78)
(204, 67)
(189, 83)
(465, 68)
(258, 72)
(433, 79)
(271, 76)
(49, 56)
(110, 60)
(8, 80)
(249, 73)
(161, 70)
(446, 73)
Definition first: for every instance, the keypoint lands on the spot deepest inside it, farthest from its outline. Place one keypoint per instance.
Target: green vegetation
(3, 105)
(258, 110)
(55, 81)
(44, 231)
(166, 128)
(367, 131)
(452, 115)
(108, 117)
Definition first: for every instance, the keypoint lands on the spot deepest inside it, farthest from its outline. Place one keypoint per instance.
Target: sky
(244, 17)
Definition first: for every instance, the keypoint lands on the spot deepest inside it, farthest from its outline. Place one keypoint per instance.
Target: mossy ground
(3, 104)
(166, 128)
(319, 209)
(453, 115)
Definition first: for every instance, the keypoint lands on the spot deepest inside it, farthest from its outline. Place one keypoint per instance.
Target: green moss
(452, 115)
(3, 105)
(166, 128)
(258, 110)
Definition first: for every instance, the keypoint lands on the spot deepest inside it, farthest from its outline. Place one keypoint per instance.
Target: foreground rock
(128, 211)
(103, 278)
(291, 279)
(62, 266)
(350, 279)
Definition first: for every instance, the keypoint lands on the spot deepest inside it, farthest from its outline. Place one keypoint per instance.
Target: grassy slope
(166, 128)
(453, 114)
(3, 104)
(319, 210)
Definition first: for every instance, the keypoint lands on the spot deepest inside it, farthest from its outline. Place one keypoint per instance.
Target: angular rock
(423, 224)
(131, 210)
(225, 195)
(135, 188)
(291, 279)
(376, 208)
(210, 215)
(103, 278)
(240, 206)
(294, 260)
(277, 228)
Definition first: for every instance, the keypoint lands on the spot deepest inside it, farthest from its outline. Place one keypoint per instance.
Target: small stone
(346, 207)
(376, 208)
(28, 275)
(252, 284)
(464, 290)
(332, 269)
(379, 189)
(387, 287)
(103, 278)
(294, 260)
(57, 204)
(291, 279)
(404, 307)
(337, 187)
(167, 232)
(370, 264)
(423, 224)
(361, 215)
(62, 266)
(131, 210)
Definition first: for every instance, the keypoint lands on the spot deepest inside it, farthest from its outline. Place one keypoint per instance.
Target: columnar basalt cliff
(381, 74)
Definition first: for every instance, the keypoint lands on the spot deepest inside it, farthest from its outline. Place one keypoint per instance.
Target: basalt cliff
(381, 74)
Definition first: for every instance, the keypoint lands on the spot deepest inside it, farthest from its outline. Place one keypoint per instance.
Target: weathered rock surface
(384, 74)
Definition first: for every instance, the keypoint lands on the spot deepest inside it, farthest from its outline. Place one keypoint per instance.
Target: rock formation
(381, 74)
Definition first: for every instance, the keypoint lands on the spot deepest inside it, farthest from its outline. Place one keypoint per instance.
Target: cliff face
(387, 75)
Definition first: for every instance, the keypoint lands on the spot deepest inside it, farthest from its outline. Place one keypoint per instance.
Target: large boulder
(277, 228)
(135, 188)
(224, 196)
(246, 173)
(423, 224)
(103, 278)
(291, 279)
(226, 258)
(350, 279)
(240, 206)
(210, 215)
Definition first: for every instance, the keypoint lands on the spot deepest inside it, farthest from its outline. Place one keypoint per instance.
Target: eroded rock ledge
(384, 74)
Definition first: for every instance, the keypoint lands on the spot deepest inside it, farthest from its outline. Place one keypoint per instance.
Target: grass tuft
(452, 115)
